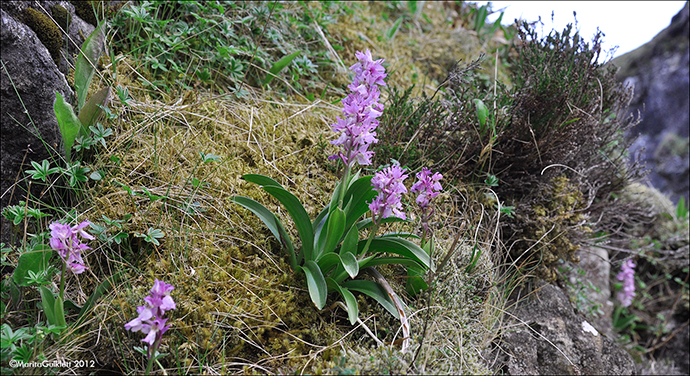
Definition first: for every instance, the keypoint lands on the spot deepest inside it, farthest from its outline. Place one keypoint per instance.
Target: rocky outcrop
(551, 338)
(658, 71)
(29, 78)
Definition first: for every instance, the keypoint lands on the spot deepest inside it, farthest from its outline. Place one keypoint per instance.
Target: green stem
(62, 281)
(371, 237)
(343, 186)
(152, 355)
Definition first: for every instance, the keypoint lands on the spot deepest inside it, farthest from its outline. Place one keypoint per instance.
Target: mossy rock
(62, 17)
(86, 10)
(46, 31)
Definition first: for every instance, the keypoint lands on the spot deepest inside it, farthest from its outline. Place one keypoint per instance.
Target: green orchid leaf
(69, 124)
(315, 283)
(299, 216)
(279, 66)
(91, 110)
(415, 283)
(261, 180)
(319, 225)
(399, 246)
(350, 264)
(374, 261)
(350, 300)
(48, 302)
(59, 312)
(328, 261)
(334, 231)
(357, 199)
(375, 291)
(273, 224)
(87, 61)
(350, 241)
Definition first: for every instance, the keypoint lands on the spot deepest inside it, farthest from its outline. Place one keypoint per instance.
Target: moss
(554, 221)
(46, 31)
(61, 16)
(87, 10)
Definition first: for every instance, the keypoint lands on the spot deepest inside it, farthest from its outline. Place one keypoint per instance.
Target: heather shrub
(553, 141)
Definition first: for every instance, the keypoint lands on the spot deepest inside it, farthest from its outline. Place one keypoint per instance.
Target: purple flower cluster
(428, 185)
(150, 320)
(627, 276)
(389, 184)
(64, 239)
(360, 110)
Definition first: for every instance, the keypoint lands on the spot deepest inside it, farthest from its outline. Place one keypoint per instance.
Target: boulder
(28, 82)
(658, 71)
(551, 338)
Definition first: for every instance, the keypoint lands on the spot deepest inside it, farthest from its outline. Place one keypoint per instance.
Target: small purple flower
(64, 240)
(389, 184)
(627, 276)
(428, 185)
(150, 320)
(360, 110)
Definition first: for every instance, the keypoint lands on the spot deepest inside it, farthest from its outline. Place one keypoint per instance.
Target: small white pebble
(589, 328)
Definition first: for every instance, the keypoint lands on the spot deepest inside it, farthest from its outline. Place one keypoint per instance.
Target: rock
(659, 73)
(30, 131)
(550, 338)
(590, 288)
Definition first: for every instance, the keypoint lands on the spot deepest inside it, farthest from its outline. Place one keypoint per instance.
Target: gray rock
(590, 288)
(659, 73)
(550, 338)
(28, 82)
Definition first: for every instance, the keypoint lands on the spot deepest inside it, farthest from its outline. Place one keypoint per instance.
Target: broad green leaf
(48, 301)
(357, 199)
(90, 112)
(35, 260)
(334, 231)
(299, 216)
(86, 63)
(328, 261)
(319, 224)
(375, 291)
(335, 198)
(279, 66)
(415, 283)
(481, 113)
(350, 301)
(350, 264)
(272, 222)
(69, 124)
(315, 283)
(319, 218)
(261, 180)
(374, 261)
(400, 247)
(59, 312)
(350, 241)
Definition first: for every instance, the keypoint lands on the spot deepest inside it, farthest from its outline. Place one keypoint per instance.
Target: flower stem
(371, 237)
(343, 186)
(62, 281)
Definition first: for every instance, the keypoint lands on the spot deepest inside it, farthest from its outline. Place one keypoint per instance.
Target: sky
(628, 24)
